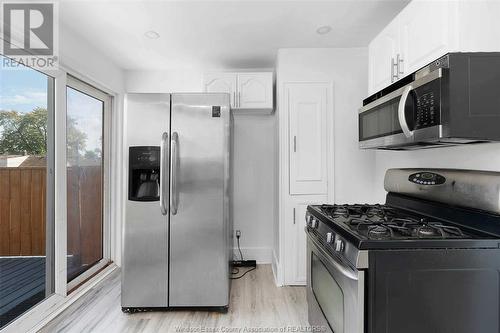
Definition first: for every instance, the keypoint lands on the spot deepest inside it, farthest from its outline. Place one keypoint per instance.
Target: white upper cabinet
(426, 30)
(425, 34)
(255, 91)
(479, 26)
(307, 111)
(250, 92)
(383, 52)
(221, 83)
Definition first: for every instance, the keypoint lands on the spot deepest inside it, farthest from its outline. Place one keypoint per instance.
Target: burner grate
(383, 222)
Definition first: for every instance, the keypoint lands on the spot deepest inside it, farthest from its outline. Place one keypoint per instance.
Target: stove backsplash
(464, 188)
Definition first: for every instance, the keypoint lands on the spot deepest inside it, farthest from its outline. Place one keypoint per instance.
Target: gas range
(429, 242)
(378, 226)
(381, 222)
(384, 226)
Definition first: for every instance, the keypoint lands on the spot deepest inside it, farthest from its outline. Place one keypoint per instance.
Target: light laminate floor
(256, 303)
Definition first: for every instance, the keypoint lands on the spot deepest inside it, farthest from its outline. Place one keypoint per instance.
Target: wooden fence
(23, 212)
(84, 198)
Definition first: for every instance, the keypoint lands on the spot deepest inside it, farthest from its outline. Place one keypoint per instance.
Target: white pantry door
(307, 109)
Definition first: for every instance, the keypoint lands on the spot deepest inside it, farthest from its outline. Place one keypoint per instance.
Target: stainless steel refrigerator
(177, 232)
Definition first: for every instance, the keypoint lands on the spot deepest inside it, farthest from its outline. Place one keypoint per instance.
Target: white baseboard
(263, 255)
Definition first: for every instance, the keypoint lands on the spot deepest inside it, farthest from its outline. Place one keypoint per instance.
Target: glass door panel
(85, 123)
(26, 190)
(380, 121)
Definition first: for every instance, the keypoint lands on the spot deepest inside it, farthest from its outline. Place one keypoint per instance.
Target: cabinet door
(255, 91)
(382, 50)
(295, 273)
(478, 26)
(222, 83)
(425, 33)
(307, 109)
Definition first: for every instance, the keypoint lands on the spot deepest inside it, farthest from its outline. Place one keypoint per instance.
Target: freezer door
(199, 221)
(145, 230)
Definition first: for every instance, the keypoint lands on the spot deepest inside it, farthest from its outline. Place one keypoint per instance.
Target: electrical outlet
(238, 233)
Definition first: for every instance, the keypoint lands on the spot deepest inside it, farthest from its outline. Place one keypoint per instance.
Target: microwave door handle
(401, 111)
(164, 173)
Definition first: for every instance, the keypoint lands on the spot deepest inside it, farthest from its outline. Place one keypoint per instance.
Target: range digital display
(426, 178)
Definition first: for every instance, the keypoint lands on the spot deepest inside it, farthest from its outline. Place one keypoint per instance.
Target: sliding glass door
(85, 142)
(26, 190)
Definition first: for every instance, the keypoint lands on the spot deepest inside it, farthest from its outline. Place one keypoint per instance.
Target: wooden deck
(22, 284)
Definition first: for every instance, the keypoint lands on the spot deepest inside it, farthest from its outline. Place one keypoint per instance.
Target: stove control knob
(314, 223)
(329, 237)
(308, 218)
(339, 245)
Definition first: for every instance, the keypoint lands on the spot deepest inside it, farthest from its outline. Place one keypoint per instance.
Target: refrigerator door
(199, 205)
(145, 231)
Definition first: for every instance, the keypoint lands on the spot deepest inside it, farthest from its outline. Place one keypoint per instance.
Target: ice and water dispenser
(144, 173)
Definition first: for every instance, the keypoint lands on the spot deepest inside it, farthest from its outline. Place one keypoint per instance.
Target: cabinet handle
(294, 143)
(394, 74)
(234, 98)
(239, 99)
(400, 62)
(293, 215)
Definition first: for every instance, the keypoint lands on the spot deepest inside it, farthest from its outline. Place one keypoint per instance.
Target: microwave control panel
(426, 178)
(427, 104)
(427, 110)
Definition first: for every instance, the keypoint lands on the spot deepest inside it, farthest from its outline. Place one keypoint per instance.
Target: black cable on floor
(242, 275)
(241, 254)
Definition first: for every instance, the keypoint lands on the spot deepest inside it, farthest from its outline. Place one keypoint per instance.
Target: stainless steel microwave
(454, 100)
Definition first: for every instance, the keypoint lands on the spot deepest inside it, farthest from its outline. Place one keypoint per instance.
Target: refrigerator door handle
(174, 198)
(163, 173)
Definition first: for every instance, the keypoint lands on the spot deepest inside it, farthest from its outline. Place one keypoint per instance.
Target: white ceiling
(220, 34)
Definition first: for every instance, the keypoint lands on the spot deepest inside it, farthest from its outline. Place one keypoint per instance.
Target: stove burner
(383, 222)
(426, 231)
(379, 231)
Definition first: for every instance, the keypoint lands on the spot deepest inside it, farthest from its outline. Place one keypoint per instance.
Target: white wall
(77, 54)
(162, 81)
(254, 198)
(476, 157)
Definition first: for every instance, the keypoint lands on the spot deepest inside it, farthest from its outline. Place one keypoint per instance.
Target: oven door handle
(343, 269)
(401, 111)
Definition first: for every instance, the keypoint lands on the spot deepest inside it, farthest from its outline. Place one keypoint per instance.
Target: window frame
(90, 90)
(46, 310)
(50, 193)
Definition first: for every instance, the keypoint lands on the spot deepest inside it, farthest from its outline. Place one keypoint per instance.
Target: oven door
(407, 116)
(335, 291)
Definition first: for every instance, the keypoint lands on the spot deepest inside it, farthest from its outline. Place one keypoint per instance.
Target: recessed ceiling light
(151, 34)
(323, 30)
